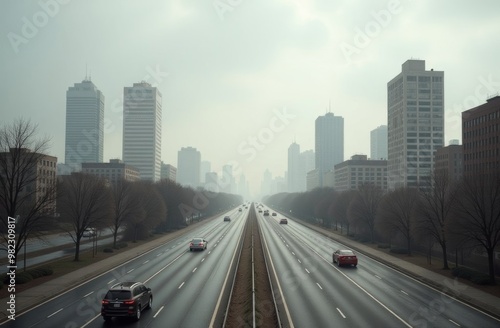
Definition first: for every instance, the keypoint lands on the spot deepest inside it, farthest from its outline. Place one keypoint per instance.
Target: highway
(190, 288)
(320, 294)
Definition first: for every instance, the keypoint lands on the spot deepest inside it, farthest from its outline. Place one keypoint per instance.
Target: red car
(345, 256)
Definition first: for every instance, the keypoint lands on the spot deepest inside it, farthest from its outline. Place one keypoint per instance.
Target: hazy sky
(242, 79)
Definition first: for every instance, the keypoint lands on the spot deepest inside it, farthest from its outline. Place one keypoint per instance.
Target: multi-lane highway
(190, 288)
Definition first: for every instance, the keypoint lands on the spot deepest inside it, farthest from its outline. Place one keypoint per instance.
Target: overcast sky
(243, 79)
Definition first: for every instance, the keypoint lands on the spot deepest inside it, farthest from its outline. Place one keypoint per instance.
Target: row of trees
(449, 213)
(80, 201)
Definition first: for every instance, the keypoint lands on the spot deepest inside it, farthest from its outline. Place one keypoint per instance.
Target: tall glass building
(415, 124)
(142, 129)
(329, 143)
(84, 125)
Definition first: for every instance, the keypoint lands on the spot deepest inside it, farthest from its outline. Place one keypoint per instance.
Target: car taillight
(105, 302)
(190, 244)
(129, 302)
(200, 244)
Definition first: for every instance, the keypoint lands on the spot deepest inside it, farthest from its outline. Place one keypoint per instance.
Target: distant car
(89, 232)
(227, 218)
(197, 244)
(345, 256)
(260, 211)
(240, 210)
(283, 221)
(274, 214)
(126, 299)
(266, 213)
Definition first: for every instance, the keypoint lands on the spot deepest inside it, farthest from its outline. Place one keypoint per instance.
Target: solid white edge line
(279, 285)
(217, 305)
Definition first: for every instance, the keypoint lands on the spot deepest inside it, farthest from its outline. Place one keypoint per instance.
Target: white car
(89, 233)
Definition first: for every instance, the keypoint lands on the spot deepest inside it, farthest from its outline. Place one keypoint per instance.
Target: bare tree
(21, 194)
(397, 211)
(125, 205)
(478, 213)
(151, 213)
(84, 202)
(338, 209)
(364, 207)
(435, 211)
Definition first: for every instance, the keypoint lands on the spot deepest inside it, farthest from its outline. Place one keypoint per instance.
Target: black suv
(126, 299)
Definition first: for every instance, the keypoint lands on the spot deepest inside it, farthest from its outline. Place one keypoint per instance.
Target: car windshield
(118, 295)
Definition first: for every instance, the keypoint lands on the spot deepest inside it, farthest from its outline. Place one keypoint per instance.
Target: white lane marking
(293, 253)
(203, 259)
(88, 294)
(319, 286)
(343, 316)
(378, 277)
(55, 312)
(145, 262)
(299, 261)
(402, 291)
(130, 270)
(307, 271)
(158, 254)
(455, 323)
(109, 282)
(194, 270)
(181, 285)
(209, 252)
(159, 310)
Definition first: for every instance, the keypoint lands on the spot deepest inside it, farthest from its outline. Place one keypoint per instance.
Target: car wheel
(150, 303)
(138, 312)
(106, 318)
(190, 249)
(338, 263)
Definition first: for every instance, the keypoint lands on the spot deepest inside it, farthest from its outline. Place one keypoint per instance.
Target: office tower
(205, 167)
(84, 125)
(378, 143)
(415, 124)
(481, 138)
(227, 182)
(142, 129)
(168, 172)
(329, 143)
(294, 168)
(188, 167)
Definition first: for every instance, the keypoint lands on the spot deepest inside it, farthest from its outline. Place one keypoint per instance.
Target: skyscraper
(84, 125)
(329, 143)
(294, 169)
(415, 124)
(378, 143)
(142, 129)
(188, 167)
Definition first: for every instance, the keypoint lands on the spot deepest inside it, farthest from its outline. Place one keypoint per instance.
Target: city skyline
(243, 84)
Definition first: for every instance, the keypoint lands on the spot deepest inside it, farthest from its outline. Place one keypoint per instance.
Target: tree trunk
(445, 257)
(491, 266)
(77, 250)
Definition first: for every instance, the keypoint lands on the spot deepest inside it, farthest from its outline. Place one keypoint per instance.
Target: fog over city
(241, 80)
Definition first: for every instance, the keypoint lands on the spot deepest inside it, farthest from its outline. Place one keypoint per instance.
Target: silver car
(197, 244)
